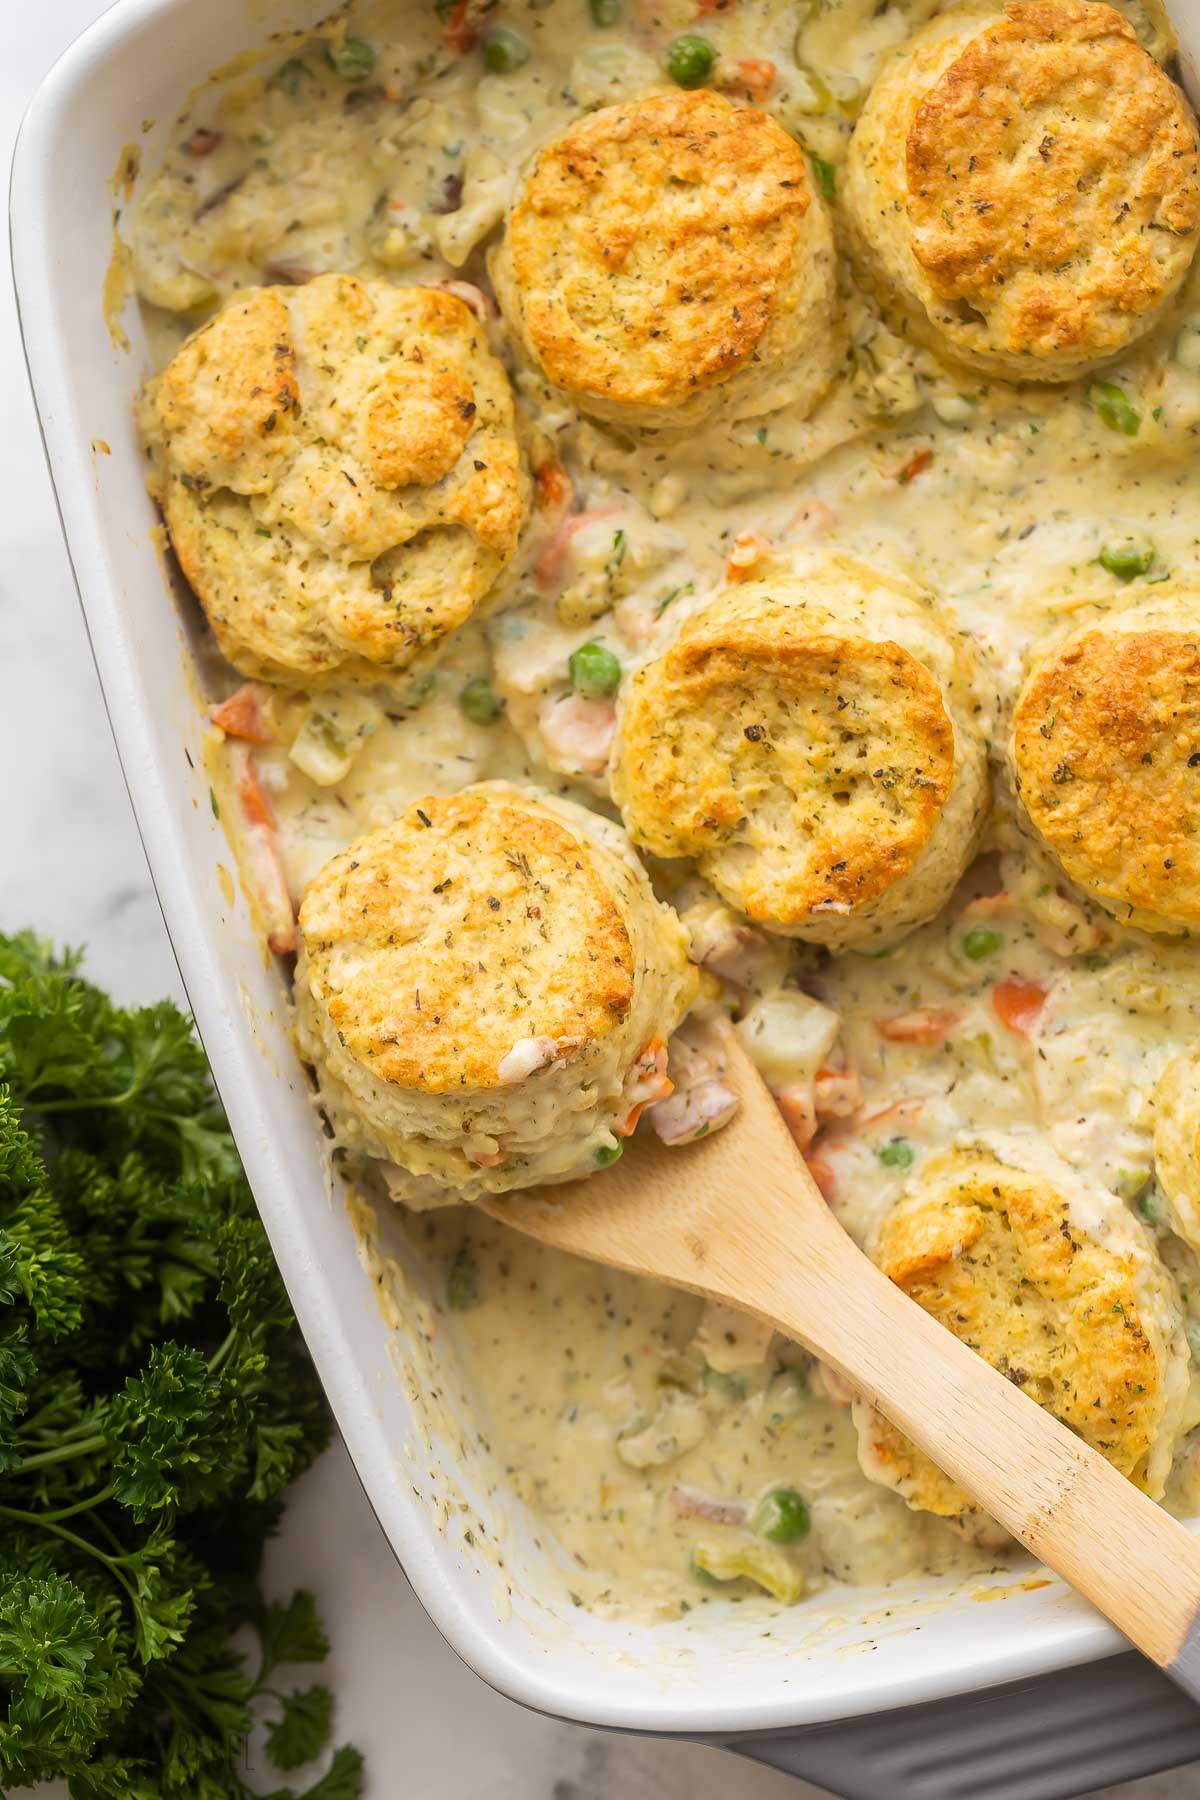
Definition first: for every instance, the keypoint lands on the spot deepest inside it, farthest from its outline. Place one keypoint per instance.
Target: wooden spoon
(738, 1218)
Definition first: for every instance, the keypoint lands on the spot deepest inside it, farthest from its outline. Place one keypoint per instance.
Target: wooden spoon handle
(1060, 1497)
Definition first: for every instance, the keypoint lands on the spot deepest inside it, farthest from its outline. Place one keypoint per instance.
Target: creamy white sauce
(614, 1419)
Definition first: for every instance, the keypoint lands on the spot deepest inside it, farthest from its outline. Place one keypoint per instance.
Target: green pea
(352, 59)
(1132, 1183)
(690, 60)
(292, 74)
(897, 1153)
(1150, 1205)
(604, 1155)
(782, 1516)
(480, 701)
(462, 1281)
(981, 941)
(1127, 557)
(604, 12)
(1113, 405)
(504, 50)
(594, 670)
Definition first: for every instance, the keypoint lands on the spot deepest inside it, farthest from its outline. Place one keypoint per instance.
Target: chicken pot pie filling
(803, 684)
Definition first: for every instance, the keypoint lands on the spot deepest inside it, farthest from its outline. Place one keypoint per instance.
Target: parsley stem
(43, 1522)
(63, 1453)
(84, 1104)
(67, 1512)
(222, 1351)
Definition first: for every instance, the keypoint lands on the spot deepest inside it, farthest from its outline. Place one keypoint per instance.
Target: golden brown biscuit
(485, 987)
(810, 741)
(667, 260)
(1105, 755)
(1176, 1102)
(339, 474)
(1058, 1287)
(1023, 187)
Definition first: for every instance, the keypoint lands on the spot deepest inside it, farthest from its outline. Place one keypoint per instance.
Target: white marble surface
(71, 865)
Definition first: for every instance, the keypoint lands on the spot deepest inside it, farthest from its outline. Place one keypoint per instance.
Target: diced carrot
(203, 141)
(712, 6)
(753, 76)
(821, 1170)
(629, 1123)
(263, 859)
(914, 467)
(925, 1025)
(256, 808)
(795, 1102)
(486, 1159)
(652, 1083)
(553, 486)
(837, 1093)
(896, 1113)
(241, 716)
(461, 31)
(1018, 1004)
(746, 550)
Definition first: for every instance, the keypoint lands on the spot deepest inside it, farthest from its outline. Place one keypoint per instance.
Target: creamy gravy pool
(642, 1429)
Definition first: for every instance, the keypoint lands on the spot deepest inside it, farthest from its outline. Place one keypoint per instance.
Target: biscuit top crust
(828, 756)
(340, 473)
(229, 397)
(1106, 749)
(438, 941)
(996, 1256)
(649, 243)
(1052, 178)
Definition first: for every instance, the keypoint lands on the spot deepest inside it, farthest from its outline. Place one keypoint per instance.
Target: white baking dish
(501, 1603)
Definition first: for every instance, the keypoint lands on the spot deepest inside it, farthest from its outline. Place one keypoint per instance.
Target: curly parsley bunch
(155, 1400)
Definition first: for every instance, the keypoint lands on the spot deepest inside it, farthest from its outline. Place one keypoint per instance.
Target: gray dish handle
(1060, 1736)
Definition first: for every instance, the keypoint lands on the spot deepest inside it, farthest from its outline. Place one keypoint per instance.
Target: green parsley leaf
(300, 1735)
(155, 1400)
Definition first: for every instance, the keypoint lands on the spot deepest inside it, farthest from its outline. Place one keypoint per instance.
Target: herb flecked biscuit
(484, 986)
(1023, 187)
(1176, 1105)
(810, 740)
(667, 261)
(1105, 755)
(1059, 1287)
(339, 474)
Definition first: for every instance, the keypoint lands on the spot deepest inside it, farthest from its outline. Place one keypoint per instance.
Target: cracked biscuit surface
(809, 739)
(1105, 755)
(339, 474)
(668, 260)
(1022, 187)
(1056, 1284)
